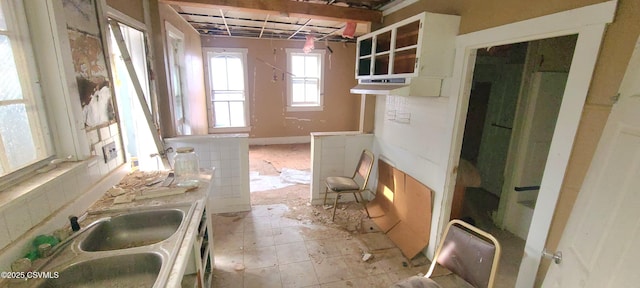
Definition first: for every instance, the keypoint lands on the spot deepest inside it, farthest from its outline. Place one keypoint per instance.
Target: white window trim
(24, 57)
(173, 33)
(244, 52)
(320, 107)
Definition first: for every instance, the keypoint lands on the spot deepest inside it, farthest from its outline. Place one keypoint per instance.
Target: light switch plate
(109, 151)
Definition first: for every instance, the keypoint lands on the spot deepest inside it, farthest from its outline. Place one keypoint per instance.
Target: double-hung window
(24, 136)
(305, 87)
(227, 88)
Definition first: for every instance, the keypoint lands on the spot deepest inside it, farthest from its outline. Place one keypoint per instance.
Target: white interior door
(600, 243)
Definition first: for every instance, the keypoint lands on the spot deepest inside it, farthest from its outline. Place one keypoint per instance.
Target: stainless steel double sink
(134, 248)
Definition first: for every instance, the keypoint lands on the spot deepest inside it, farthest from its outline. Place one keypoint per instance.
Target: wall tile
(214, 155)
(69, 186)
(5, 239)
(55, 195)
(113, 130)
(104, 133)
(92, 137)
(18, 219)
(38, 207)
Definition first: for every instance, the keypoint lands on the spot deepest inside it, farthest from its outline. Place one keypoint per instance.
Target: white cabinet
(199, 273)
(204, 252)
(391, 51)
(418, 50)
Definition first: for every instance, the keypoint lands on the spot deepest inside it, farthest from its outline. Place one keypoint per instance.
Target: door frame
(589, 23)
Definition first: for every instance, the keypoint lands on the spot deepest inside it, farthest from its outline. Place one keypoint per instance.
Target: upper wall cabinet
(419, 46)
(393, 50)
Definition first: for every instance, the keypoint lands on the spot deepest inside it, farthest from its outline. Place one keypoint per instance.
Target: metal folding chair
(354, 184)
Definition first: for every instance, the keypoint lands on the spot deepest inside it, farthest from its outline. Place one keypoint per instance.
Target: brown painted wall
(133, 9)
(269, 117)
(193, 72)
(617, 46)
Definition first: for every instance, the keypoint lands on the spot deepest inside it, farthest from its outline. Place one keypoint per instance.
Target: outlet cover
(109, 151)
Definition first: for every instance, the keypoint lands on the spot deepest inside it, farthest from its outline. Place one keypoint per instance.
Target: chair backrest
(364, 167)
(468, 252)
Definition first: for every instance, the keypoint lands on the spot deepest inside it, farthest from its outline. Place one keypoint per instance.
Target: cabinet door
(365, 50)
(382, 53)
(405, 53)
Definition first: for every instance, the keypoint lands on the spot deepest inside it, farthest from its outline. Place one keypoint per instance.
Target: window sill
(230, 130)
(304, 108)
(22, 189)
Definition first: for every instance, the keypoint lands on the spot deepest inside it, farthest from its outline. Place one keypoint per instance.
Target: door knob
(557, 256)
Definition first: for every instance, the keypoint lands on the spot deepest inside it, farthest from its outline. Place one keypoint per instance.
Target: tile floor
(263, 248)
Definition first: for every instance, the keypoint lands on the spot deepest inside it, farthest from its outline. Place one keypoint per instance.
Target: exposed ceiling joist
(264, 25)
(301, 27)
(225, 22)
(291, 8)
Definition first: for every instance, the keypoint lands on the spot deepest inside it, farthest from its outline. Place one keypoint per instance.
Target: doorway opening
(515, 99)
(136, 133)
(280, 174)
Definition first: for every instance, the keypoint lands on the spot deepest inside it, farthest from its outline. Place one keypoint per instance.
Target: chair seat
(339, 184)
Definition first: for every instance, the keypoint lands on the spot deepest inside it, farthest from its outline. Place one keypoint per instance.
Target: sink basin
(133, 230)
(130, 270)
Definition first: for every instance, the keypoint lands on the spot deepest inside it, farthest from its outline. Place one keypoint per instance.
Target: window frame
(175, 70)
(209, 53)
(19, 35)
(321, 61)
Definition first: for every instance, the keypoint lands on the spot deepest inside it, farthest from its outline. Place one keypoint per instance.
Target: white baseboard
(280, 140)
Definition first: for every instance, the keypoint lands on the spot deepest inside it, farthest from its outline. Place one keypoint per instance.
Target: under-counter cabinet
(199, 273)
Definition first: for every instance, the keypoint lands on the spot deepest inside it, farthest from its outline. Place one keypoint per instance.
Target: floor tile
(260, 227)
(358, 268)
(227, 259)
(403, 273)
(259, 221)
(268, 277)
(331, 269)
(258, 238)
(339, 284)
(260, 257)
(287, 222)
(351, 246)
(378, 281)
(317, 232)
(287, 235)
(291, 253)
(323, 248)
(227, 279)
(222, 242)
(299, 274)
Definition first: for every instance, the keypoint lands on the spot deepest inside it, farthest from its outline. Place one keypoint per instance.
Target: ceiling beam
(301, 27)
(290, 8)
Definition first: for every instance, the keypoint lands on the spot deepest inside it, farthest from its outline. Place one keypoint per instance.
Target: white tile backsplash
(113, 130)
(104, 133)
(5, 239)
(55, 195)
(18, 218)
(92, 137)
(39, 207)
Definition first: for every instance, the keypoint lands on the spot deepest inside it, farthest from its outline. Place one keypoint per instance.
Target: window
(305, 86)
(175, 44)
(227, 88)
(24, 136)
